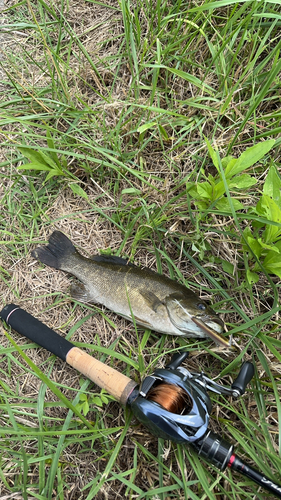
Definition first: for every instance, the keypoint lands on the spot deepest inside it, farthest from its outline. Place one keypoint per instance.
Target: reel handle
(177, 359)
(244, 377)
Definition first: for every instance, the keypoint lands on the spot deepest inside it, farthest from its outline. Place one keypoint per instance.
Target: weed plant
(149, 130)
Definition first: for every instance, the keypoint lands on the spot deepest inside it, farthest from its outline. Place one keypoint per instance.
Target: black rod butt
(30, 327)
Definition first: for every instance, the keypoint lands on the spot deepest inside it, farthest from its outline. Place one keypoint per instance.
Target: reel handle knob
(245, 375)
(177, 359)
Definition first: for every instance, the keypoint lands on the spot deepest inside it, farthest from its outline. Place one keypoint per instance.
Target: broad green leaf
(249, 157)
(254, 246)
(96, 400)
(252, 277)
(247, 233)
(218, 191)
(223, 205)
(278, 245)
(229, 167)
(191, 188)
(51, 145)
(272, 212)
(205, 190)
(163, 133)
(86, 408)
(32, 155)
(211, 179)
(34, 166)
(228, 267)
(104, 398)
(256, 223)
(272, 185)
(47, 159)
(267, 206)
(50, 140)
(272, 263)
(226, 160)
(131, 191)
(202, 205)
(242, 181)
(37, 156)
(271, 247)
(53, 173)
(78, 190)
(261, 207)
(146, 126)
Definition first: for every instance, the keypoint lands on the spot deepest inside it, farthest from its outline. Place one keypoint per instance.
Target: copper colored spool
(171, 397)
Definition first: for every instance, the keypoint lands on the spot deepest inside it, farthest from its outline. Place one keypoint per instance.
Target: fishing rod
(172, 402)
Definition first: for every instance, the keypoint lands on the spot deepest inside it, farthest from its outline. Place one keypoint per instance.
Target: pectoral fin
(80, 293)
(151, 299)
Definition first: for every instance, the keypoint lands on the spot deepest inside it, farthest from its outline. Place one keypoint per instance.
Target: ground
(120, 97)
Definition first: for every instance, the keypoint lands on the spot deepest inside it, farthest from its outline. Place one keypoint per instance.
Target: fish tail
(56, 252)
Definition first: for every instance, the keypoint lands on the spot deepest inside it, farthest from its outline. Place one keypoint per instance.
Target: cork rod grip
(118, 385)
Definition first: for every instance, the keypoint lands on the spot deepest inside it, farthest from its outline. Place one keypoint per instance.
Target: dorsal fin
(111, 259)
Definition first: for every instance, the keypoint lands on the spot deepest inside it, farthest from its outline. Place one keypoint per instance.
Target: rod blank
(239, 466)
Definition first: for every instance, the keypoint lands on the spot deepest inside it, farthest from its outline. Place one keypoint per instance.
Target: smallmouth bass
(155, 301)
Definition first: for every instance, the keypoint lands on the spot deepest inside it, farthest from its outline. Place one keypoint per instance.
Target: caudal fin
(56, 252)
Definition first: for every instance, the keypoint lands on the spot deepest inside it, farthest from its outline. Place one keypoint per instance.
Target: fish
(149, 299)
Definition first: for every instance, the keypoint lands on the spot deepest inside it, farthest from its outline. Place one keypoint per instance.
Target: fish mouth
(216, 322)
(213, 327)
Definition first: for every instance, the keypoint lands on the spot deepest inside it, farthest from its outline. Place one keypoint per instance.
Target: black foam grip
(33, 329)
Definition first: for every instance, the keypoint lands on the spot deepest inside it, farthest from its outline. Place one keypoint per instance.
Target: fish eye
(201, 306)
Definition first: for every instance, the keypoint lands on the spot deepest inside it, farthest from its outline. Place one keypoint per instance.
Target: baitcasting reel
(188, 423)
(191, 422)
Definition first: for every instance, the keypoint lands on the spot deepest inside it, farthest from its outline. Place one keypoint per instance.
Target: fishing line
(171, 397)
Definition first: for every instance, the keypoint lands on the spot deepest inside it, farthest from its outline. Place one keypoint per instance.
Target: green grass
(104, 113)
